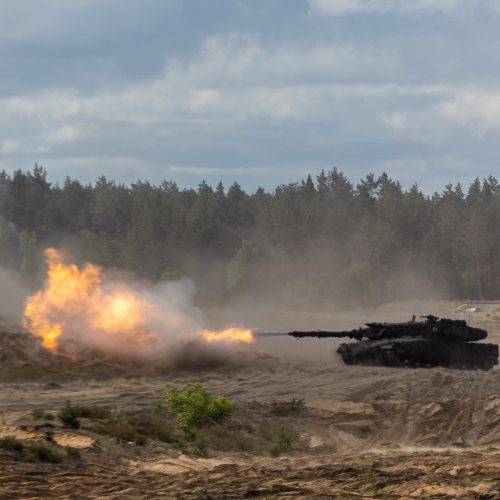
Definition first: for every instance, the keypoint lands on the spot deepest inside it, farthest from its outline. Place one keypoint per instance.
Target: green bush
(193, 407)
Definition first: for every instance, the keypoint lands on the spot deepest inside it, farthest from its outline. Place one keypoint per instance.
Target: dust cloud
(81, 310)
(13, 293)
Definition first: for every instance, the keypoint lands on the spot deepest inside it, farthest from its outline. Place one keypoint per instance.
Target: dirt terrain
(360, 431)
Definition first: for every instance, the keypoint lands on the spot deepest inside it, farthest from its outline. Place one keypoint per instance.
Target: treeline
(320, 241)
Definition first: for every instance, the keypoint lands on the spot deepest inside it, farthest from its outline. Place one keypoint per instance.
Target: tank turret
(428, 343)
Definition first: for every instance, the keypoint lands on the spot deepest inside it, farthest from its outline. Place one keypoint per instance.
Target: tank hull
(421, 353)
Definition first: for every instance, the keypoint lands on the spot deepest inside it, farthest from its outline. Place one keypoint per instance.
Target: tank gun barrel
(321, 334)
(259, 333)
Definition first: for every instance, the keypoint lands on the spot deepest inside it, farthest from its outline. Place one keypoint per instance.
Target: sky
(261, 92)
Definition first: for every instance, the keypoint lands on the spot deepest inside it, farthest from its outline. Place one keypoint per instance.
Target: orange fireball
(73, 298)
(75, 306)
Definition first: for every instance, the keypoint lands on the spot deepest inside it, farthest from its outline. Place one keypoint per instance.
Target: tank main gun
(322, 334)
(431, 328)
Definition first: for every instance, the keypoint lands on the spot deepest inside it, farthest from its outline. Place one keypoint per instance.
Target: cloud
(232, 79)
(67, 133)
(58, 104)
(400, 7)
(199, 170)
(203, 98)
(8, 147)
(396, 120)
(274, 105)
(61, 135)
(477, 110)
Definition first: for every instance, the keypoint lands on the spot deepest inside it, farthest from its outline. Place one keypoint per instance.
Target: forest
(322, 240)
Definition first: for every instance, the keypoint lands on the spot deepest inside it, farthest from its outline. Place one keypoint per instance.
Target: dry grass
(140, 427)
(36, 452)
(41, 453)
(10, 443)
(249, 430)
(219, 439)
(42, 415)
(287, 408)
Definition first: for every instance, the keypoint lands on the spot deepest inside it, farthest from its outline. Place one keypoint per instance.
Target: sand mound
(19, 347)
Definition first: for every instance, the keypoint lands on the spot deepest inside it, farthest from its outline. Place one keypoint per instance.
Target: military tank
(427, 343)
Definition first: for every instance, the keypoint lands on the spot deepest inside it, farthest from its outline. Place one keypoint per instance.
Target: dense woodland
(319, 241)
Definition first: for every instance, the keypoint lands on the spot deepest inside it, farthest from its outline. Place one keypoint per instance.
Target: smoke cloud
(84, 308)
(13, 293)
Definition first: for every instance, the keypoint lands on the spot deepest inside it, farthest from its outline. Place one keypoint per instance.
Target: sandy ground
(391, 433)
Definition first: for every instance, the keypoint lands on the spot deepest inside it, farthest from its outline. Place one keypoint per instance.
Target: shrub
(139, 427)
(153, 425)
(283, 441)
(40, 453)
(10, 443)
(42, 415)
(193, 407)
(95, 412)
(36, 452)
(122, 429)
(217, 438)
(68, 416)
(287, 408)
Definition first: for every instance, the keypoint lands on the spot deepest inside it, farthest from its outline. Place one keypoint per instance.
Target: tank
(415, 344)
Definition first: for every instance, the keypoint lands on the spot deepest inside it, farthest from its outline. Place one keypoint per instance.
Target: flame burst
(73, 302)
(76, 307)
(231, 334)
